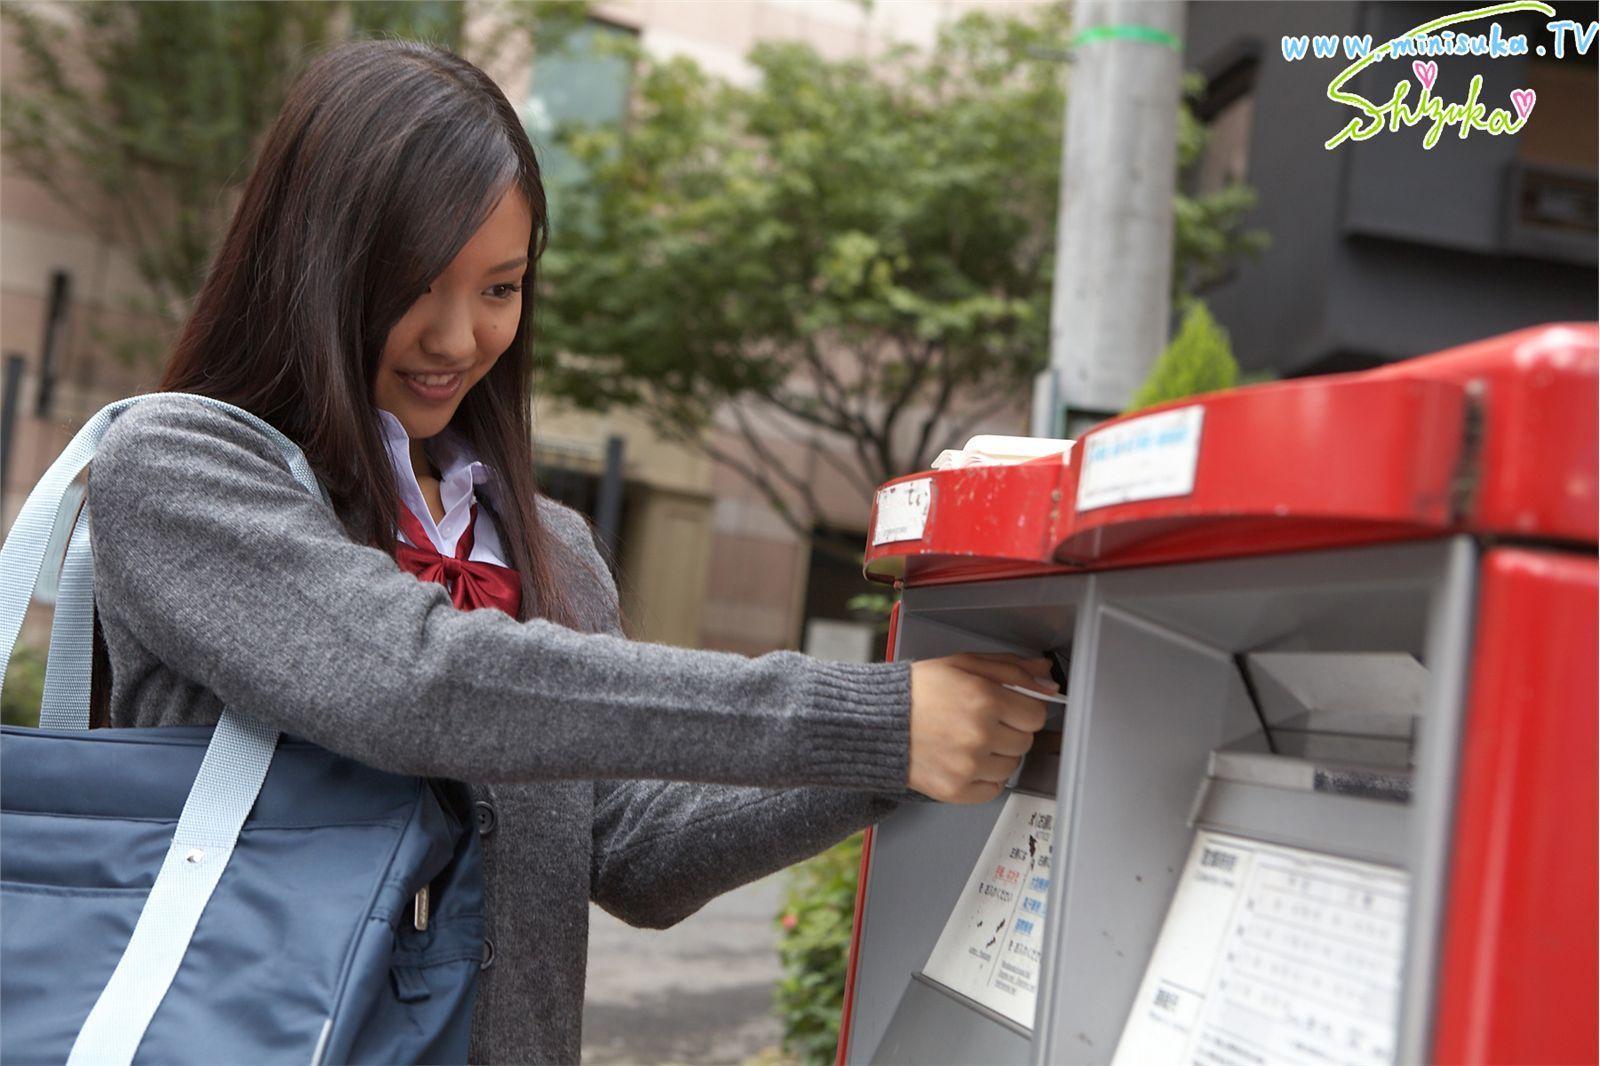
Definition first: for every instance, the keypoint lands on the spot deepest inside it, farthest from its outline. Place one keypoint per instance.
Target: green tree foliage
(1199, 359)
(139, 116)
(857, 250)
(143, 116)
(814, 948)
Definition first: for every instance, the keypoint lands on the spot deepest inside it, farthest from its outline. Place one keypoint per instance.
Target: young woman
(372, 299)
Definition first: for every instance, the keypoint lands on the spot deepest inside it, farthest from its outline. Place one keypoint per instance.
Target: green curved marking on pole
(1145, 34)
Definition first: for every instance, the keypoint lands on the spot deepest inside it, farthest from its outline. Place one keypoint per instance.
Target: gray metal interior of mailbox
(1154, 688)
(921, 855)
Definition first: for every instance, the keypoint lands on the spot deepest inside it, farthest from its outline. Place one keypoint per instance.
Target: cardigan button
(486, 817)
(488, 954)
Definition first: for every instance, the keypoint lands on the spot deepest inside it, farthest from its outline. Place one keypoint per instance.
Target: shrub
(1199, 359)
(24, 687)
(814, 946)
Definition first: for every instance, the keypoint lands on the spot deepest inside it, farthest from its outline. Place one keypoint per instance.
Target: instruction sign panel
(1272, 954)
(902, 511)
(993, 941)
(1141, 459)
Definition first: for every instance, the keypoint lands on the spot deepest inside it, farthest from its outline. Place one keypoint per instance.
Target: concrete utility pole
(1109, 310)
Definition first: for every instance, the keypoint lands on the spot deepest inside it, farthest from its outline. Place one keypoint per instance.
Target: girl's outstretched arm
(212, 557)
(664, 849)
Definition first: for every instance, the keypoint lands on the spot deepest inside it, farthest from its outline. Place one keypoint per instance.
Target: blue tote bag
(199, 894)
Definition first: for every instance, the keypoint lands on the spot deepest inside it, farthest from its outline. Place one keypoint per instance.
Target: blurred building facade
(1381, 249)
(702, 559)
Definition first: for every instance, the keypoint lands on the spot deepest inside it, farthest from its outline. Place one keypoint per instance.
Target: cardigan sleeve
(210, 555)
(662, 849)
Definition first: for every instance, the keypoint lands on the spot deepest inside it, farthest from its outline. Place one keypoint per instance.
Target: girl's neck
(420, 463)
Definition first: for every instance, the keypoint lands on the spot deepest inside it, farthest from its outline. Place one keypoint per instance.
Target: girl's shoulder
(181, 426)
(156, 411)
(577, 534)
(567, 523)
(171, 433)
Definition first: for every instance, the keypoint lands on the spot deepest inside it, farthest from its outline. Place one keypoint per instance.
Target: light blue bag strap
(224, 790)
(230, 778)
(70, 664)
(23, 556)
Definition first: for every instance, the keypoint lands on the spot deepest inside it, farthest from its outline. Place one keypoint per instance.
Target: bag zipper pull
(419, 909)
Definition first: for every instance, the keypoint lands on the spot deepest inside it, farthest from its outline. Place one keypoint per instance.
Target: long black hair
(386, 158)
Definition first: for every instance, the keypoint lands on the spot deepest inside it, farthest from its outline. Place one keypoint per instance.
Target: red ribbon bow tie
(472, 584)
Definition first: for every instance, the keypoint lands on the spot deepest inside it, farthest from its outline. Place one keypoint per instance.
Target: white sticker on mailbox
(1145, 458)
(1272, 954)
(902, 511)
(993, 941)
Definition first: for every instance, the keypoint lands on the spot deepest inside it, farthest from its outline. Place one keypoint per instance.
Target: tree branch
(913, 383)
(753, 476)
(852, 418)
(947, 386)
(775, 465)
(970, 418)
(852, 473)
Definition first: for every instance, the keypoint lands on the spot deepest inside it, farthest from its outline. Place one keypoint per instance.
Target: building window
(1228, 111)
(1553, 189)
(582, 81)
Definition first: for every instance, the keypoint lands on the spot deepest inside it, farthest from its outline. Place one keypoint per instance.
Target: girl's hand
(968, 734)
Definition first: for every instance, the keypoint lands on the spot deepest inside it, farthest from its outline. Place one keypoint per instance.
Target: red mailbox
(1325, 785)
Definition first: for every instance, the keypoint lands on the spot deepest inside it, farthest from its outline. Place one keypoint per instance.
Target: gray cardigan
(220, 581)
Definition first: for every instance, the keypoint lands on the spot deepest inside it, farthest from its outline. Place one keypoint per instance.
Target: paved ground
(700, 992)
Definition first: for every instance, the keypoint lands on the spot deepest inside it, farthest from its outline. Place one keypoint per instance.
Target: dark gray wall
(1381, 249)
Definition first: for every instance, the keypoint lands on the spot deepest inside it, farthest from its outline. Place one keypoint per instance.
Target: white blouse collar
(460, 471)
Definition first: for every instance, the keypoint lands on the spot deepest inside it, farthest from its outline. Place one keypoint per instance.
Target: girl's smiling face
(451, 336)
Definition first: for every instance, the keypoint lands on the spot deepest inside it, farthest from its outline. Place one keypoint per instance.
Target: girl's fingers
(1023, 713)
(1009, 669)
(997, 768)
(1008, 741)
(1038, 665)
(980, 792)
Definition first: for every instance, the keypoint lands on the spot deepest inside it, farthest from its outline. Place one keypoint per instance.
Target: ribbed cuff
(858, 725)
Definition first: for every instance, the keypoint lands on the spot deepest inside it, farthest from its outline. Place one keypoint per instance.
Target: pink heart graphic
(1425, 72)
(1523, 100)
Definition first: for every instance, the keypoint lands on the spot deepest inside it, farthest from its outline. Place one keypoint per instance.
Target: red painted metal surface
(1536, 468)
(862, 876)
(978, 517)
(1293, 465)
(1497, 437)
(1518, 962)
